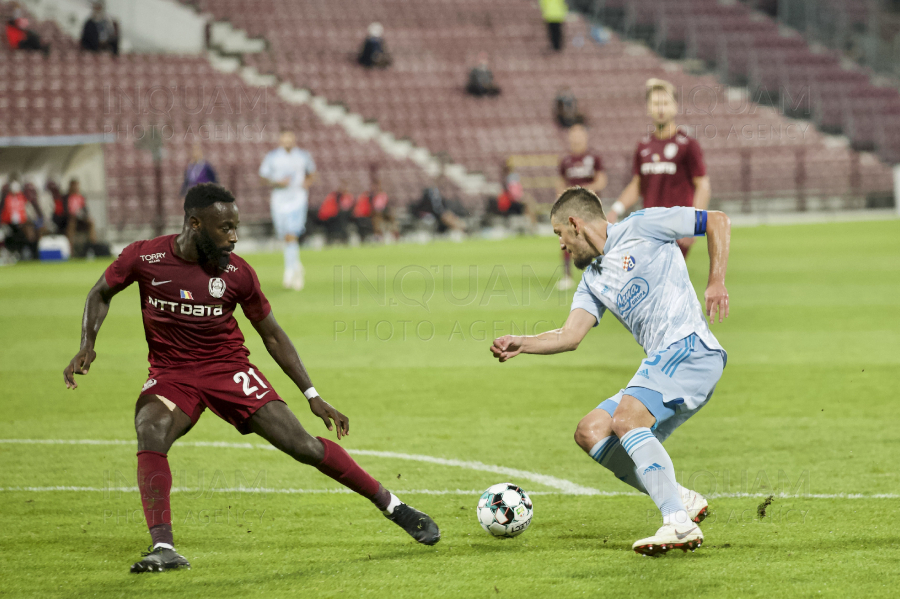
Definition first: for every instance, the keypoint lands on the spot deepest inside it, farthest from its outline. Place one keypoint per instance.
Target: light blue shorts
(289, 222)
(673, 383)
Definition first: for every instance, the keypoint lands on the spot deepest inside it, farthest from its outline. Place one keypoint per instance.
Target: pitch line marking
(342, 491)
(563, 486)
(560, 484)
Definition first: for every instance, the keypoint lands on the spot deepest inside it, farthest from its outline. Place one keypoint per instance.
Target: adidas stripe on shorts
(674, 383)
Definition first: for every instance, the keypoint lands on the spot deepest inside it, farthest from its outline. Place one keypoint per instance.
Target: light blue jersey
(643, 280)
(279, 164)
(289, 204)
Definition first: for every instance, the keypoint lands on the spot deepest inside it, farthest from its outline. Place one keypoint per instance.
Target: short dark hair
(206, 194)
(578, 201)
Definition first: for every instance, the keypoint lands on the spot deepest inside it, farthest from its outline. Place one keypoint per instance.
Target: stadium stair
(71, 93)
(751, 156)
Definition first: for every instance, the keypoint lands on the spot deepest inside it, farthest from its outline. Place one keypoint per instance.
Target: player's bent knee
(152, 431)
(592, 429)
(157, 426)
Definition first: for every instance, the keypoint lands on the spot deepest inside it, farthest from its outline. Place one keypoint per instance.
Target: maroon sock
(338, 464)
(567, 263)
(155, 483)
(162, 533)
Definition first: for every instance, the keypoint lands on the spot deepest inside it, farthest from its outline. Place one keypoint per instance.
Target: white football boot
(299, 279)
(671, 536)
(696, 505)
(288, 279)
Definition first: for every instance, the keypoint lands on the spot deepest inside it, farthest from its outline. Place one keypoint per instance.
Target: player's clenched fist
(80, 364)
(506, 347)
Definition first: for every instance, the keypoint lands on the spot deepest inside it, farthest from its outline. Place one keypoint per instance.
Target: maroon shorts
(233, 391)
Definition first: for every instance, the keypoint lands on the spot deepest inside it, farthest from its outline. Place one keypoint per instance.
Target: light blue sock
(654, 467)
(291, 256)
(608, 453)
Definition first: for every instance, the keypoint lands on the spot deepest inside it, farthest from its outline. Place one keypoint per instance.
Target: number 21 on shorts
(243, 378)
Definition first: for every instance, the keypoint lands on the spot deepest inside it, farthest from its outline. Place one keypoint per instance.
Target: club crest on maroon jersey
(216, 287)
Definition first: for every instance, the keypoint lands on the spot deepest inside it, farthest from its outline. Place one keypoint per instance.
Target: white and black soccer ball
(505, 510)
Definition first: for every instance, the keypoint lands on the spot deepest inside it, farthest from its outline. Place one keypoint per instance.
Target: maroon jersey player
(190, 285)
(668, 165)
(583, 168)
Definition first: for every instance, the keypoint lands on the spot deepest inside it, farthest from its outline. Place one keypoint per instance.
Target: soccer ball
(505, 510)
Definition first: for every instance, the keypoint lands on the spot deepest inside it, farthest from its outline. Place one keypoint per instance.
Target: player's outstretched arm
(96, 308)
(628, 198)
(550, 342)
(285, 355)
(718, 239)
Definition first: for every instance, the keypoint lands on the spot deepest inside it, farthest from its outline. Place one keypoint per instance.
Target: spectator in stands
(384, 225)
(198, 171)
(580, 167)
(24, 231)
(335, 212)
(555, 12)
(19, 36)
(481, 79)
(100, 32)
(53, 188)
(433, 207)
(363, 214)
(70, 215)
(510, 201)
(371, 212)
(374, 52)
(565, 108)
(290, 172)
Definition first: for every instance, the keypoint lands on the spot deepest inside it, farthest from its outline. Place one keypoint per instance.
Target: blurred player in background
(198, 170)
(289, 171)
(635, 270)
(579, 168)
(668, 165)
(190, 285)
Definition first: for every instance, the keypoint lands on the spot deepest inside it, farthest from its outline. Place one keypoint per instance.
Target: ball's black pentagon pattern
(504, 510)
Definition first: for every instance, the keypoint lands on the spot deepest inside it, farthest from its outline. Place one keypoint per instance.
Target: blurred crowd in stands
(340, 215)
(23, 221)
(100, 32)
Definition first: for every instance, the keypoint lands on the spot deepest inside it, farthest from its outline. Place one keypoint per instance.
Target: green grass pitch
(807, 407)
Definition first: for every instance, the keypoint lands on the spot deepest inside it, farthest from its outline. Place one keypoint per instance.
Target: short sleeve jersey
(667, 168)
(279, 164)
(188, 314)
(581, 169)
(643, 280)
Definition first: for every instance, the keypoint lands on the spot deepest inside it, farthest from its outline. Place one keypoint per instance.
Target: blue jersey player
(289, 171)
(635, 270)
